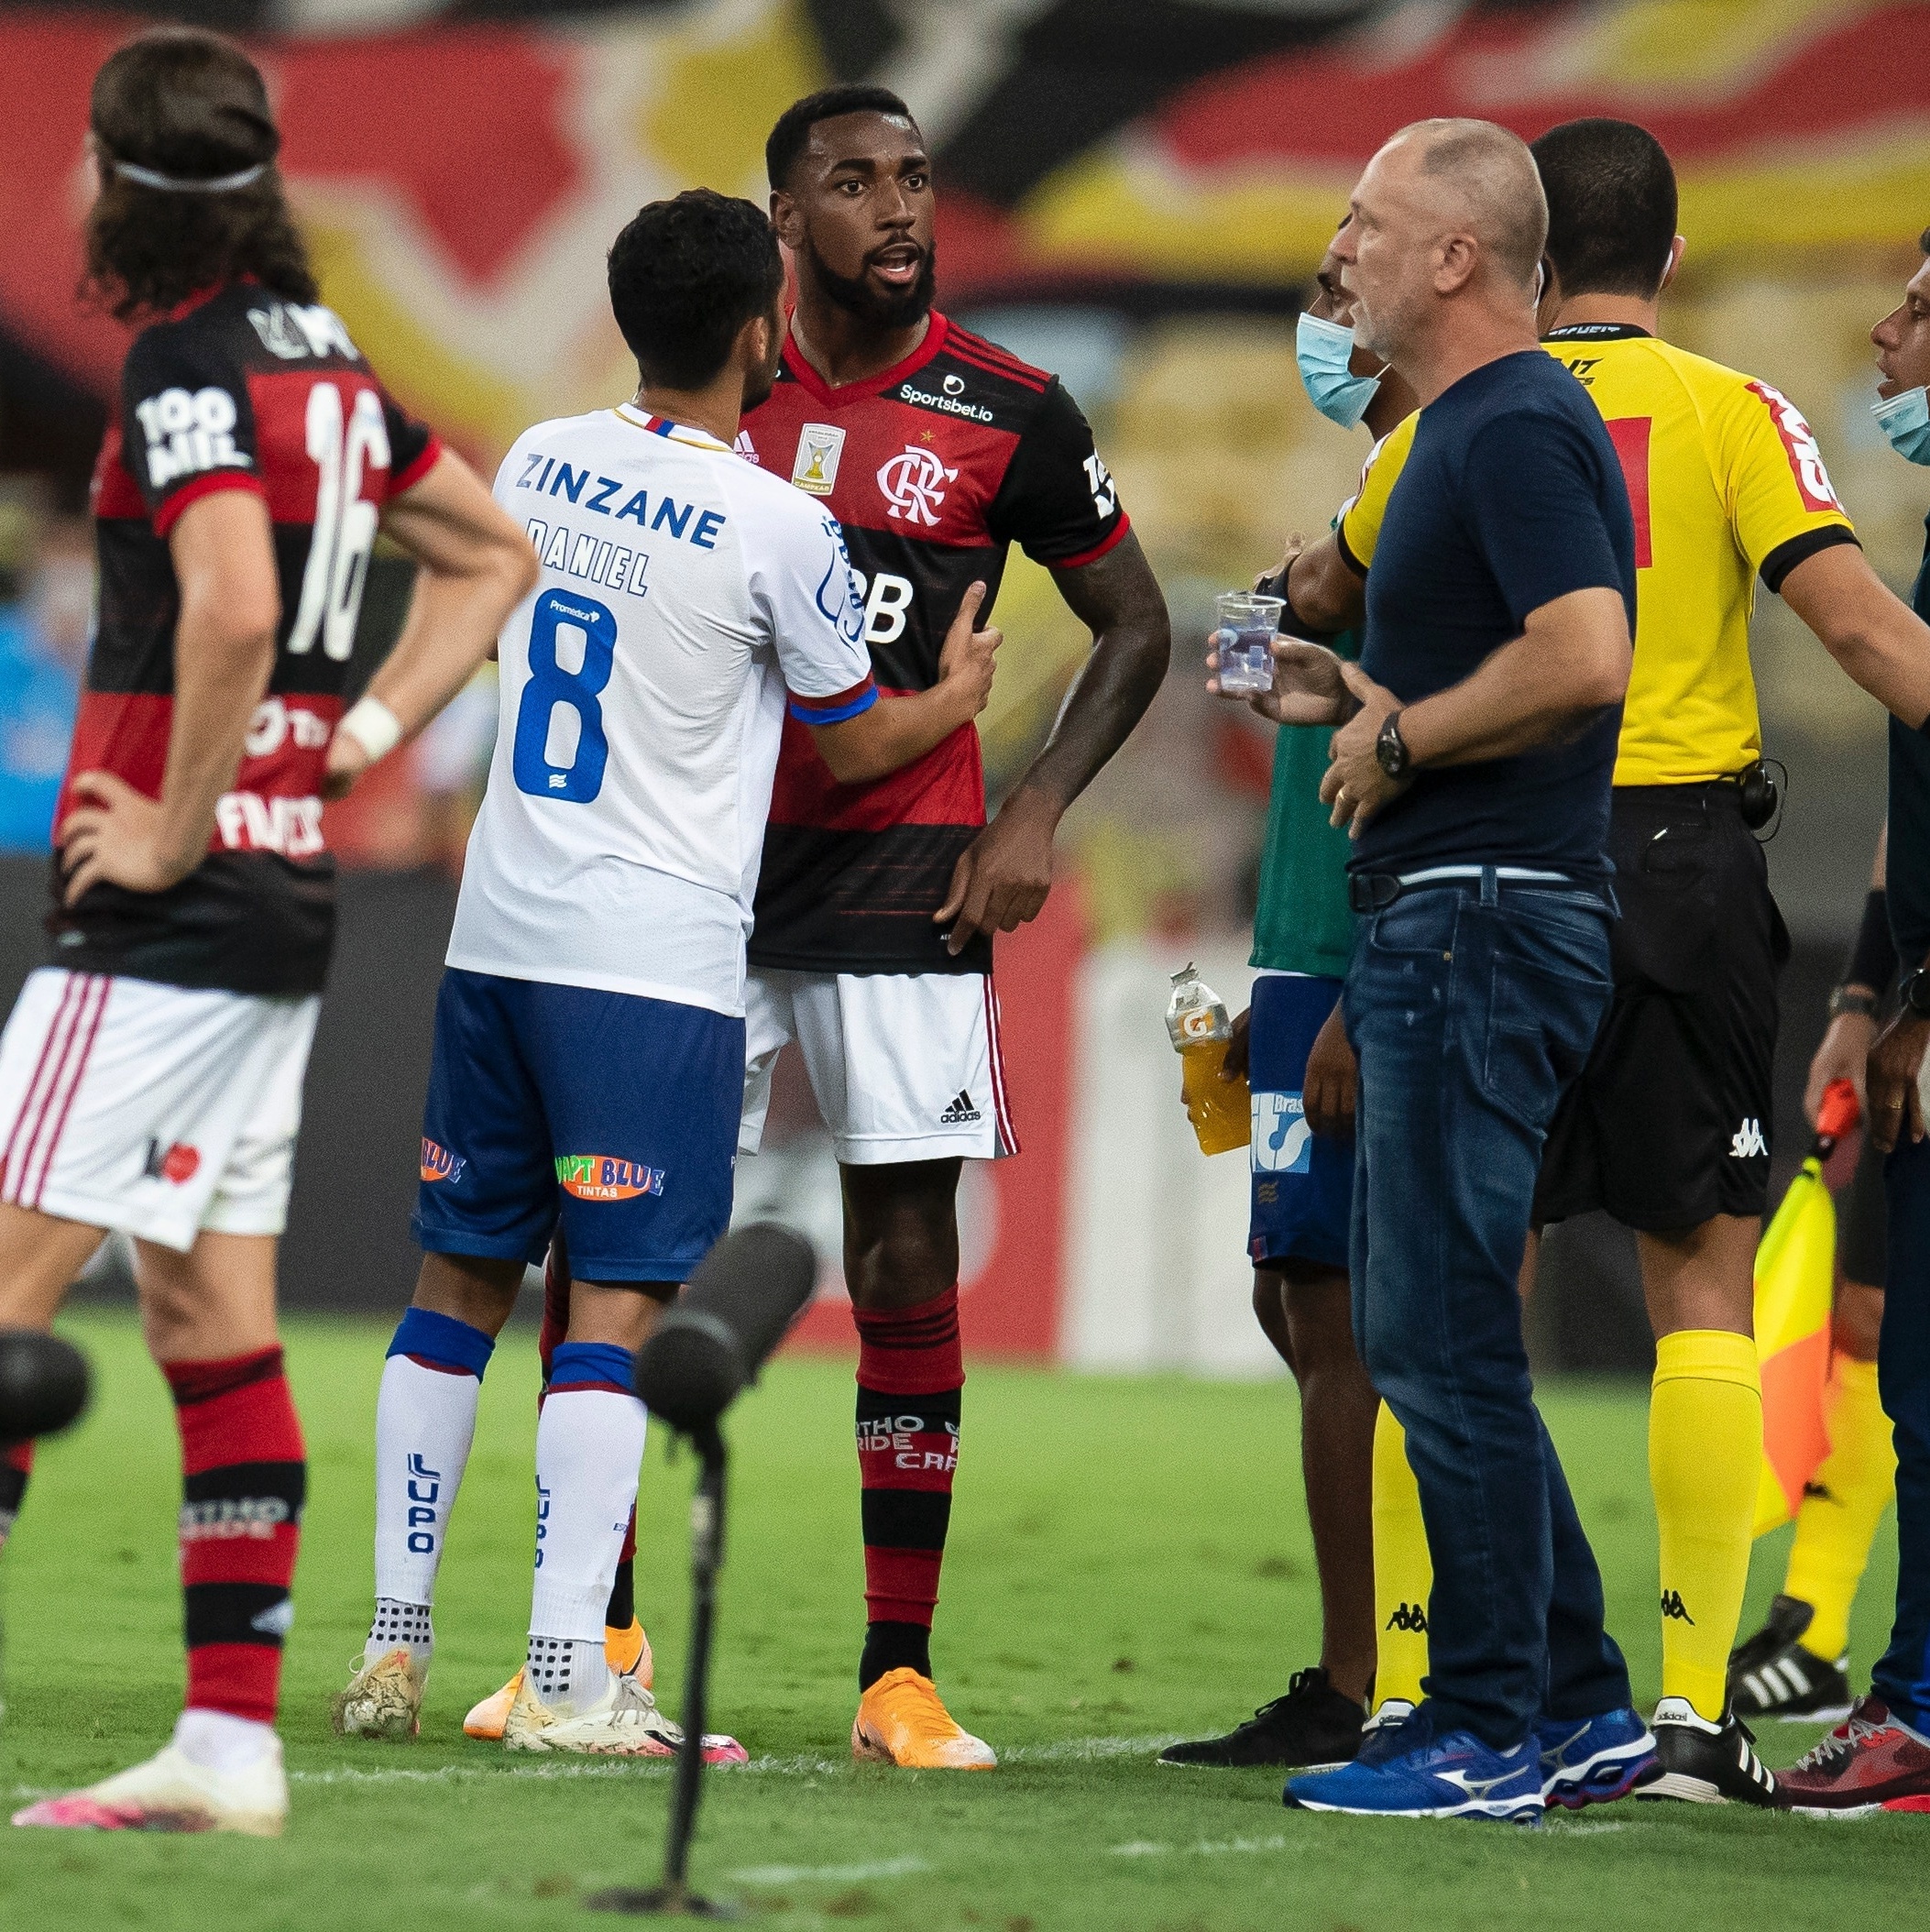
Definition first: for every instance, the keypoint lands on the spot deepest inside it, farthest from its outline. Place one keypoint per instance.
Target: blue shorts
(614, 1114)
(1302, 1182)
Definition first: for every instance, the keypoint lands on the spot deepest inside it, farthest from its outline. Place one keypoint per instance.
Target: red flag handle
(1837, 1116)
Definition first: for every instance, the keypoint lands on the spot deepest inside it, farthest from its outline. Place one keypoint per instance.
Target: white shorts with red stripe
(905, 1066)
(154, 1110)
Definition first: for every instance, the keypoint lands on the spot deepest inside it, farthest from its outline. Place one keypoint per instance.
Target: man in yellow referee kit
(1668, 1127)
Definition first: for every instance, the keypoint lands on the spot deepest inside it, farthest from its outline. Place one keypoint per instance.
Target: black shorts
(1863, 1222)
(1670, 1122)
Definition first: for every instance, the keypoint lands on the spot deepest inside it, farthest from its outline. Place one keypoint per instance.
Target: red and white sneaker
(170, 1792)
(1868, 1762)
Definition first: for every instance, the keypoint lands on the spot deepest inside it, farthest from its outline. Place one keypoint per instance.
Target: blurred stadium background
(1133, 193)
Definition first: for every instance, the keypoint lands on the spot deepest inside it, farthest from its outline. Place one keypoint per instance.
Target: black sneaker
(1312, 1725)
(1773, 1675)
(1705, 1763)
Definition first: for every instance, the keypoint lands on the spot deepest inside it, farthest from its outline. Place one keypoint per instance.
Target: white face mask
(1905, 420)
(1325, 351)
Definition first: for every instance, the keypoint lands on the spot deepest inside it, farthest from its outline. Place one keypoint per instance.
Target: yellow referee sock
(1842, 1507)
(1705, 1456)
(1403, 1571)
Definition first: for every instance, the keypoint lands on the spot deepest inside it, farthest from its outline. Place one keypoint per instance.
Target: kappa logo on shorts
(603, 1176)
(1747, 1143)
(440, 1164)
(176, 1163)
(1282, 1141)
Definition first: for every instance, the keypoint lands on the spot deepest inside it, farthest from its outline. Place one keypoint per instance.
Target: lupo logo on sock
(425, 1489)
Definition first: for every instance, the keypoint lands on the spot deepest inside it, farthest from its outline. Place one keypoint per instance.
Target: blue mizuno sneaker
(1405, 1772)
(1593, 1760)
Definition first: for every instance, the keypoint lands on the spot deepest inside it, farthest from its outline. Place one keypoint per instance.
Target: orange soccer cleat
(901, 1720)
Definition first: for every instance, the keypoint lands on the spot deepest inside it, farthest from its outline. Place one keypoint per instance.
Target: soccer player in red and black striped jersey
(150, 1078)
(936, 450)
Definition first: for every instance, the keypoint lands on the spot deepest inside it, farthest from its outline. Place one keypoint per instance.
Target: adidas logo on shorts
(960, 1113)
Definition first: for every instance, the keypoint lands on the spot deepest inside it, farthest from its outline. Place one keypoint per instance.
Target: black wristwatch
(1390, 749)
(1915, 993)
(1852, 999)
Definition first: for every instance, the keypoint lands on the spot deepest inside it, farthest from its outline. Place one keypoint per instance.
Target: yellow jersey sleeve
(1782, 504)
(1357, 529)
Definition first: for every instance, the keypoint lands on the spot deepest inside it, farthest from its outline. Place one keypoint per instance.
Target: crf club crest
(913, 484)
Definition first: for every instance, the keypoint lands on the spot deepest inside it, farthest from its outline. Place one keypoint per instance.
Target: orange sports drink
(1197, 1024)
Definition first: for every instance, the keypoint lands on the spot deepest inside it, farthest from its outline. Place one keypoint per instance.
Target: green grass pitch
(1129, 1561)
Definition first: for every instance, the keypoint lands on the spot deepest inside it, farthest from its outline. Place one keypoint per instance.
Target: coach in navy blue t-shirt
(1511, 498)
(1474, 767)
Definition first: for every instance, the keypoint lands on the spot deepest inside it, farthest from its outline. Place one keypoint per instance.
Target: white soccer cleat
(384, 1698)
(624, 1722)
(625, 1651)
(171, 1793)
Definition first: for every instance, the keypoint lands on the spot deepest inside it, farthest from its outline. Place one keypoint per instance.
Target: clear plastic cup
(1248, 625)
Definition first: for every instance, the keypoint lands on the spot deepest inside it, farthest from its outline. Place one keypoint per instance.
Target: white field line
(1076, 1750)
(1281, 1841)
(834, 1874)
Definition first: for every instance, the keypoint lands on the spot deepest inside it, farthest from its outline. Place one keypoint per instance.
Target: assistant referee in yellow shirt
(1669, 1127)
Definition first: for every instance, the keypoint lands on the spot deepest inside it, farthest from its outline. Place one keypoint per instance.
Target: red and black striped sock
(621, 1611)
(244, 1480)
(911, 1370)
(15, 1466)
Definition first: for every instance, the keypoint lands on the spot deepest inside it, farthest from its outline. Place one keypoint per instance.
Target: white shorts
(154, 1110)
(904, 1065)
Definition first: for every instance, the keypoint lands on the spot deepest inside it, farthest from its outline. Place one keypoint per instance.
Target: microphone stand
(674, 1898)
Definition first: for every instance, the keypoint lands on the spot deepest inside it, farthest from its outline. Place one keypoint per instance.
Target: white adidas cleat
(384, 1697)
(171, 1793)
(624, 1722)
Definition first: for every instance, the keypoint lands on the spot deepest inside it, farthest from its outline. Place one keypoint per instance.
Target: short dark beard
(857, 297)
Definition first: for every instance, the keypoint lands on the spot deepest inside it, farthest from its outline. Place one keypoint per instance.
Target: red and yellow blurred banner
(462, 182)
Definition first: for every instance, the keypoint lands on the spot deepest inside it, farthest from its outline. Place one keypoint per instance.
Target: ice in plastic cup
(1248, 625)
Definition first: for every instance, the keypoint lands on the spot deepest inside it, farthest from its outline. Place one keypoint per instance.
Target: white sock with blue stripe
(425, 1422)
(589, 1442)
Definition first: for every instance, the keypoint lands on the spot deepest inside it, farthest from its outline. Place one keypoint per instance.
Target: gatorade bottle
(1197, 1024)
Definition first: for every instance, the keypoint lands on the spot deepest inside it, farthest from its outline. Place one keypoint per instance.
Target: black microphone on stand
(709, 1345)
(43, 1384)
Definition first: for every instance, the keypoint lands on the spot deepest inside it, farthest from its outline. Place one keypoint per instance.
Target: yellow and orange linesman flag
(1795, 1282)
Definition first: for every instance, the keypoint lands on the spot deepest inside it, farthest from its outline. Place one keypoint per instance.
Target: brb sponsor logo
(1282, 1141)
(913, 486)
(1799, 443)
(440, 1164)
(603, 1176)
(177, 1163)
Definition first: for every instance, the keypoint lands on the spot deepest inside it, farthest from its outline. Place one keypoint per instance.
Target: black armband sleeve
(1872, 960)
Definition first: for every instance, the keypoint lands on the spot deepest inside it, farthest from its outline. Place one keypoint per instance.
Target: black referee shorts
(1670, 1122)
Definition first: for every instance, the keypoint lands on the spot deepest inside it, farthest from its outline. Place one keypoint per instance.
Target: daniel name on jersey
(687, 601)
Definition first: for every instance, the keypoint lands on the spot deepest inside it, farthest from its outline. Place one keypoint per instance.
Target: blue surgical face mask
(1905, 419)
(1323, 350)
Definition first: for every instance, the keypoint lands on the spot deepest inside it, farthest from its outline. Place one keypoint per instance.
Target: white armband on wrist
(373, 726)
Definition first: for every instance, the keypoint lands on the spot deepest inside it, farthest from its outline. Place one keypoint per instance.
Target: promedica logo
(603, 1176)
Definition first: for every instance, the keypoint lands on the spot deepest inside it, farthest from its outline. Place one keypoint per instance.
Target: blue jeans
(1472, 1006)
(1902, 1678)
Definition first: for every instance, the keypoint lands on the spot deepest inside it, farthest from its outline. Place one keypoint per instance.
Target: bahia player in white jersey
(589, 1045)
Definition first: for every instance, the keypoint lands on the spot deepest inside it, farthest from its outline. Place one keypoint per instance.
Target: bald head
(1488, 181)
(1447, 235)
